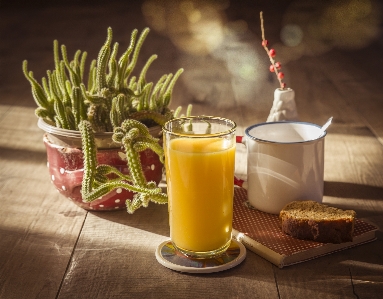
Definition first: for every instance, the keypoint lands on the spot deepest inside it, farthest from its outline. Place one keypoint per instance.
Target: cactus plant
(112, 100)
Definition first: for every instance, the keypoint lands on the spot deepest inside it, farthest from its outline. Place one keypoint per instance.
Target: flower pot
(65, 164)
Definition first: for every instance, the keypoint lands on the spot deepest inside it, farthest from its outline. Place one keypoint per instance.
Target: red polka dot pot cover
(65, 164)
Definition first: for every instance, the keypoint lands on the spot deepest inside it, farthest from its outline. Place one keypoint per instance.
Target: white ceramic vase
(284, 107)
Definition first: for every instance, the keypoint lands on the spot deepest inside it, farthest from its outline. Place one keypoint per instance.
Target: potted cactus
(102, 136)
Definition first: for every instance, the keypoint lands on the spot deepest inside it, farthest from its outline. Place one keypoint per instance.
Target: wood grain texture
(114, 258)
(38, 227)
(38, 230)
(352, 181)
(49, 248)
(334, 85)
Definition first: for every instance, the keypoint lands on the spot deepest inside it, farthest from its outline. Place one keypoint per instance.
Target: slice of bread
(310, 220)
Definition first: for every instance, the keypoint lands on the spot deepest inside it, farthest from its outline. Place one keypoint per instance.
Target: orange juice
(200, 188)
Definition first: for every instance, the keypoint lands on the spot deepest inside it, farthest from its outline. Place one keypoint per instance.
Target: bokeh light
(223, 58)
(314, 27)
(193, 26)
(291, 35)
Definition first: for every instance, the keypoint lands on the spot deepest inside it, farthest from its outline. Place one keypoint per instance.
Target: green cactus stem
(112, 100)
(108, 78)
(90, 157)
(135, 137)
(156, 117)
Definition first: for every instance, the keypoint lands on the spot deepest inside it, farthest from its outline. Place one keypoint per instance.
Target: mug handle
(238, 182)
(239, 139)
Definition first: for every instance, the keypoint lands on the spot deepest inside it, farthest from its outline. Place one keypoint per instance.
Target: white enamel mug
(285, 162)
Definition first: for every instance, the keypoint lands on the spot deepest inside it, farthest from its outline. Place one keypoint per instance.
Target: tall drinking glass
(199, 162)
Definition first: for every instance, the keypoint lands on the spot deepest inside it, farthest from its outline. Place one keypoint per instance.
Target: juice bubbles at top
(200, 188)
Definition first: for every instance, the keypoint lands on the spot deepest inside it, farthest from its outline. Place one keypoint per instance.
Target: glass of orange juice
(199, 163)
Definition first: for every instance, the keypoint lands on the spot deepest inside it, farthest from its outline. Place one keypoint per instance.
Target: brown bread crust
(309, 220)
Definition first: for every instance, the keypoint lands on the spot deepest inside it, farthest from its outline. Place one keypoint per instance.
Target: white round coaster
(169, 257)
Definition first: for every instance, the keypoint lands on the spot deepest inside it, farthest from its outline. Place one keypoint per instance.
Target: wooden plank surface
(333, 85)
(49, 248)
(352, 177)
(38, 227)
(114, 258)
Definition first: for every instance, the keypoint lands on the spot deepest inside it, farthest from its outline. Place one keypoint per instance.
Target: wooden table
(50, 248)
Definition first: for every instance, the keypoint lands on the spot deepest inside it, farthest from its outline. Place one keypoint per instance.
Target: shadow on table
(351, 190)
(153, 219)
(364, 199)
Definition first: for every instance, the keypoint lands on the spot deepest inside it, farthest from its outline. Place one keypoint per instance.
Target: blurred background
(217, 42)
